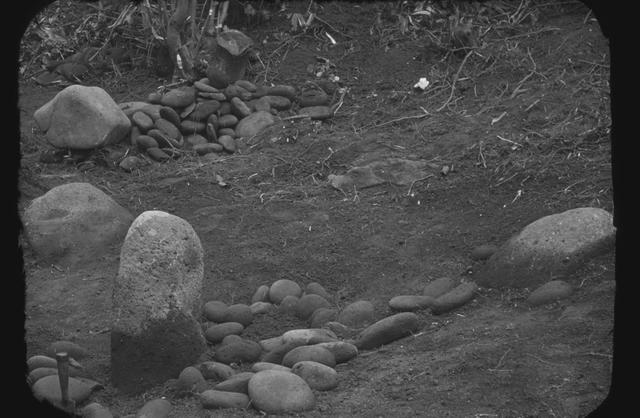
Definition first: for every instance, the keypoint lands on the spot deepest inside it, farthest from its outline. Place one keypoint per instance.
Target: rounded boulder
(211, 399)
(317, 375)
(261, 294)
(236, 383)
(550, 292)
(254, 123)
(215, 310)
(455, 298)
(259, 308)
(309, 353)
(81, 117)
(74, 222)
(387, 330)
(342, 350)
(555, 245)
(357, 314)
(283, 288)
(406, 303)
(279, 392)
(243, 351)
(308, 304)
(239, 313)
(440, 286)
(315, 288)
(191, 380)
(216, 333)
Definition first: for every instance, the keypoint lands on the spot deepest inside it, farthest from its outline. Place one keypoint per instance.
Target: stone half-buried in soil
(553, 246)
(73, 223)
(550, 292)
(236, 383)
(388, 330)
(141, 361)
(317, 375)
(48, 388)
(277, 392)
(218, 399)
(455, 298)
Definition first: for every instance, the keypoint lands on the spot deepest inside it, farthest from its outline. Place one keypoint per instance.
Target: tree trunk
(174, 29)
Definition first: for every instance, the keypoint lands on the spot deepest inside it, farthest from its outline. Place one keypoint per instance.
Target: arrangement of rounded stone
(285, 370)
(157, 308)
(288, 368)
(43, 374)
(209, 119)
(196, 116)
(440, 296)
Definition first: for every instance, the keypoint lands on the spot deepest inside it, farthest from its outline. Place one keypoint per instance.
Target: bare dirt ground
(278, 218)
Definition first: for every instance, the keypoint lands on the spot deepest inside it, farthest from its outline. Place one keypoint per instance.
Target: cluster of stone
(207, 119)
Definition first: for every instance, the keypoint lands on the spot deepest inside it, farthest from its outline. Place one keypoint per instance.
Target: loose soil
(278, 218)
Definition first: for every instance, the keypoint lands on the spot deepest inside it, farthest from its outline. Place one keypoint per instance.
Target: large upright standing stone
(156, 302)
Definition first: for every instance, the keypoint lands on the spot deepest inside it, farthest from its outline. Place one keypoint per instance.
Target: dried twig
(484, 162)
(541, 360)
(426, 113)
(305, 116)
(500, 361)
(508, 140)
(453, 84)
(415, 181)
(338, 105)
(531, 105)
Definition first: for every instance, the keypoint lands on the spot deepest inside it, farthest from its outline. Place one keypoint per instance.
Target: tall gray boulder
(74, 222)
(81, 117)
(549, 249)
(156, 302)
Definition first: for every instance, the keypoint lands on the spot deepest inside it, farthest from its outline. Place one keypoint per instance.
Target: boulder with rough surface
(74, 222)
(551, 247)
(156, 302)
(81, 117)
